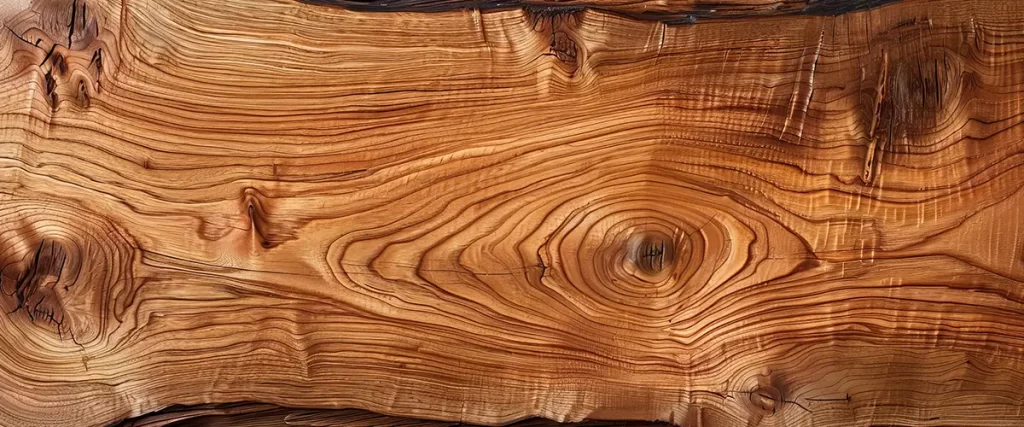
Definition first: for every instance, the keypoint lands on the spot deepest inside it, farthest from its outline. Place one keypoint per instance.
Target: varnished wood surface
(488, 216)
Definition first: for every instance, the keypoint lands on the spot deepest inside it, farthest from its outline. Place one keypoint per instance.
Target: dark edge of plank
(253, 413)
(671, 17)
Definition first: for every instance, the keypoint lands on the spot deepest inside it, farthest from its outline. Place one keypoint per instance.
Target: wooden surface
(487, 216)
(672, 12)
(263, 415)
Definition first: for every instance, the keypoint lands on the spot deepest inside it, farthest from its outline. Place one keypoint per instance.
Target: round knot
(766, 399)
(649, 253)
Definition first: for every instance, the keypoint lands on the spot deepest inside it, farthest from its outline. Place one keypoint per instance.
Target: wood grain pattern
(487, 216)
(263, 415)
(671, 12)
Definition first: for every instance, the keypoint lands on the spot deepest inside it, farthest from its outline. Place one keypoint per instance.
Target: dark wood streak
(262, 414)
(674, 14)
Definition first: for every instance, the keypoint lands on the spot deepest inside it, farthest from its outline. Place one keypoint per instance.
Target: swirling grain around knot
(65, 272)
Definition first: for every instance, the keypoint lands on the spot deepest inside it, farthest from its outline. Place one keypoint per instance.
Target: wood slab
(511, 211)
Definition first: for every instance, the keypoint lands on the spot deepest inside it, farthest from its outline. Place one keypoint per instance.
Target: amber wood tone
(491, 215)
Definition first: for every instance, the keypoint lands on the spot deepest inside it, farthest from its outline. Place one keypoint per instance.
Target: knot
(63, 269)
(766, 399)
(651, 252)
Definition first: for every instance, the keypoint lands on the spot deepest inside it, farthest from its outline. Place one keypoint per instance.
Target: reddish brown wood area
(764, 217)
(263, 415)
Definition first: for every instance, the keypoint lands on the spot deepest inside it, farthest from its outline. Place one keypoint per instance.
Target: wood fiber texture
(263, 415)
(490, 215)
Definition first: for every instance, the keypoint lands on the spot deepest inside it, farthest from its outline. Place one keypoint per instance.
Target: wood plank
(488, 216)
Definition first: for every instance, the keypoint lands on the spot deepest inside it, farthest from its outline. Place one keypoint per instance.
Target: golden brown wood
(488, 216)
